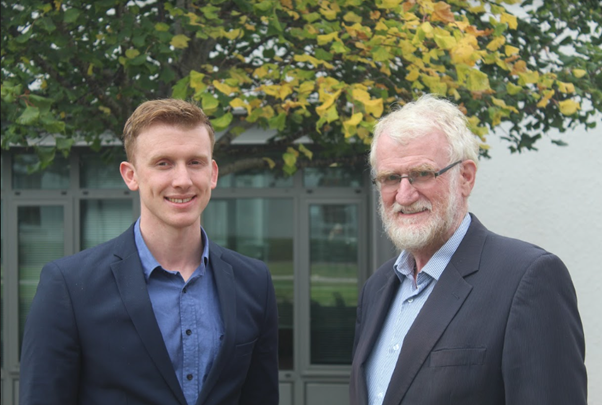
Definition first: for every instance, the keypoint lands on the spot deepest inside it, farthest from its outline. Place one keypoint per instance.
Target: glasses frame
(411, 181)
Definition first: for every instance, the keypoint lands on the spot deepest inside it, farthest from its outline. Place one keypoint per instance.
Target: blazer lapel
(226, 287)
(374, 320)
(446, 299)
(134, 294)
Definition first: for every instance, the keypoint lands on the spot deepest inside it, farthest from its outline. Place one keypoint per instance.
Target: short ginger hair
(169, 111)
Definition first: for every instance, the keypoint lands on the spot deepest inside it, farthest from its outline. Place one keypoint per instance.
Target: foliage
(321, 69)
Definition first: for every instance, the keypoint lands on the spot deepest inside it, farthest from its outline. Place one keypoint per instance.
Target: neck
(175, 249)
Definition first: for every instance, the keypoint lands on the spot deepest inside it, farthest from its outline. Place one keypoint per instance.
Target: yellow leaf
(90, 69)
(388, 4)
(132, 53)
(105, 110)
(502, 103)
(196, 80)
(579, 73)
(513, 89)
(351, 17)
(354, 120)
(224, 88)
(477, 81)
(309, 154)
(292, 151)
(547, 95)
(180, 41)
(270, 162)
(326, 39)
(413, 75)
(261, 72)
(528, 77)
(374, 107)
(427, 28)
(568, 107)
(566, 87)
(360, 95)
(510, 50)
(327, 100)
(510, 20)
(232, 35)
(442, 12)
(307, 87)
(495, 44)
(445, 42)
(239, 103)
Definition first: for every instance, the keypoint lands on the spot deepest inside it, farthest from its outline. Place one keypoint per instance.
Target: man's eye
(391, 179)
(421, 175)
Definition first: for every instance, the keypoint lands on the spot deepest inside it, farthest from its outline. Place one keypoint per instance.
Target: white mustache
(418, 206)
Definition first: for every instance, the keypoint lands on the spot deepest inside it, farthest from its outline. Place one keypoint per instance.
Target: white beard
(412, 237)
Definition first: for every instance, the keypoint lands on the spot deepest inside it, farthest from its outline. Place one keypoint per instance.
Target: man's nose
(181, 176)
(406, 193)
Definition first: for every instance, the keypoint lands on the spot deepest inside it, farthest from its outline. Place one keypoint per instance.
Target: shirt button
(221, 337)
(189, 377)
(411, 300)
(184, 290)
(188, 332)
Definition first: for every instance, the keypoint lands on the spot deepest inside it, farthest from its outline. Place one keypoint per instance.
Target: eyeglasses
(416, 178)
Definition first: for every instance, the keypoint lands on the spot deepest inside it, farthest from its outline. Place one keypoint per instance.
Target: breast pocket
(458, 357)
(244, 349)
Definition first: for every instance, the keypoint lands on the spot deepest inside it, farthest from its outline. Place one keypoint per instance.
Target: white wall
(553, 198)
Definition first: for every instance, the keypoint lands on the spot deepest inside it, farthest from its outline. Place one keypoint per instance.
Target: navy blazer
(501, 327)
(91, 336)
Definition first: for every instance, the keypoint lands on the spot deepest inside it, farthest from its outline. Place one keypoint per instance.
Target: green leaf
(71, 15)
(221, 123)
(29, 116)
(47, 24)
(278, 122)
(180, 89)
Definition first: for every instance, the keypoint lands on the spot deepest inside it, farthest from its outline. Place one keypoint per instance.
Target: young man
(462, 316)
(160, 314)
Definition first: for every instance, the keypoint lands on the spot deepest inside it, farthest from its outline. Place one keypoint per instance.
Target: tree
(322, 69)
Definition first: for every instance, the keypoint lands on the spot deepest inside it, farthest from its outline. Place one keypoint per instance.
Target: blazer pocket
(244, 349)
(458, 357)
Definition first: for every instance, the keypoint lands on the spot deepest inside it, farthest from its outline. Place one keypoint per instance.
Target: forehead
(427, 150)
(163, 138)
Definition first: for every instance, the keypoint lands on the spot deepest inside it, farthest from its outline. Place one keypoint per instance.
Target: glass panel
(256, 178)
(101, 170)
(102, 220)
(2, 286)
(332, 177)
(263, 229)
(333, 282)
(41, 239)
(55, 176)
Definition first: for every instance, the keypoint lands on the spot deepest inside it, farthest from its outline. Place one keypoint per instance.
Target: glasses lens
(421, 176)
(390, 180)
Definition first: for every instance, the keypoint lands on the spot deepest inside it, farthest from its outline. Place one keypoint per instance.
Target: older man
(462, 315)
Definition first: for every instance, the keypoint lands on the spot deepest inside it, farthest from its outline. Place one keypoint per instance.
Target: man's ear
(468, 176)
(128, 173)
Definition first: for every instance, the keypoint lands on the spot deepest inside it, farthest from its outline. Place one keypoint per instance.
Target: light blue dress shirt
(188, 314)
(406, 305)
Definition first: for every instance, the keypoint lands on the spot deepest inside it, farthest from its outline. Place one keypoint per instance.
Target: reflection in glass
(332, 177)
(100, 171)
(333, 282)
(263, 229)
(41, 239)
(55, 176)
(253, 178)
(102, 220)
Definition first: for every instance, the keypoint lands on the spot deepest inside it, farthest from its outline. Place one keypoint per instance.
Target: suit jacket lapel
(374, 321)
(445, 300)
(134, 294)
(225, 284)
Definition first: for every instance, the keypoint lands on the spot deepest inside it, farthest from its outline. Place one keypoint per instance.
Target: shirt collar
(149, 263)
(404, 265)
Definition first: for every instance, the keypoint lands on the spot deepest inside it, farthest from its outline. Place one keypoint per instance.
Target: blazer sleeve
(544, 349)
(50, 355)
(261, 384)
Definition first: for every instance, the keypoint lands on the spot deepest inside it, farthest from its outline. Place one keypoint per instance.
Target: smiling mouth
(179, 200)
(413, 211)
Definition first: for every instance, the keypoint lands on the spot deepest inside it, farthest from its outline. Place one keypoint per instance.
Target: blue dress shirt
(406, 305)
(188, 314)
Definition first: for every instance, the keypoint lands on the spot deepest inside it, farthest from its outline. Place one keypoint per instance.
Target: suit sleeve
(544, 349)
(261, 385)
(50, 355)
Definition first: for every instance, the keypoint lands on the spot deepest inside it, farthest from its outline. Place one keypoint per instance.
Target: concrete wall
(553, 198)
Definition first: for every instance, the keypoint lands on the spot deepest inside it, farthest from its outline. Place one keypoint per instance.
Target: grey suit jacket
(500, 327)
(91, 336)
